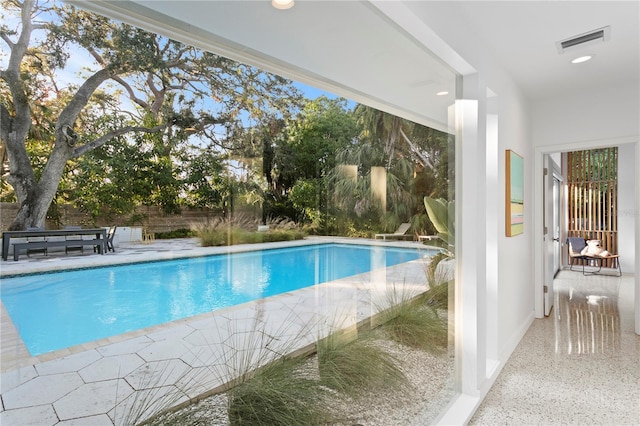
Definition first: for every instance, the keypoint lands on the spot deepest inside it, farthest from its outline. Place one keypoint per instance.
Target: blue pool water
(57, 310)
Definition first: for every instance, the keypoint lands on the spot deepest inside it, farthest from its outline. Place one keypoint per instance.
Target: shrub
(438, 278)
(417, 326)
(437, 297)
(280, 223)
(269, 386)
(212, 237)
(241, 229)
(276, 395)
(357, 366)
(432, 268)
(176, 233)
(413, 320)
(223, 237)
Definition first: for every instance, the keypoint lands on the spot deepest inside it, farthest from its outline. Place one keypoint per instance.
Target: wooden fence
(592, 180)
(150, 217)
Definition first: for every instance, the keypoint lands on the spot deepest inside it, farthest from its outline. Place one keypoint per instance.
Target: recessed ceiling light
(443, 93)
(581, 59)
(282, 4)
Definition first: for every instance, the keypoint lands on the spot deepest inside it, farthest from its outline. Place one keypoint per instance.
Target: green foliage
(287, 160)
(178, 97)
(305, 196)
(299, 153)
(415, 160)
(205, 180)
(409, 320)
(442, 214)
(233, 236)
(432, 268)
(281, 207)
(112, 179)
(307, 149)
(437, 297)
(277, 395)
(362, 227)
(417, 326)
(176, 233)
(6, 192)
(241, 229)
(213, 238)
(355, 201)
(355, 367)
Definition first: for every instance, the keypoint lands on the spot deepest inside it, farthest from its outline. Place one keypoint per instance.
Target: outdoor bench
(64, 243)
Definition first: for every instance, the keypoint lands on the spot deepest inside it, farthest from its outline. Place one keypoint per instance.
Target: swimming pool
(62, 309)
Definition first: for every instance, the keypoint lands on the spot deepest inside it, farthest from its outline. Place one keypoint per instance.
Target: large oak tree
(174, 90)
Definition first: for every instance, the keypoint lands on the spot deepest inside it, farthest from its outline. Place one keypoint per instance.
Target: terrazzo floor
(580, 366)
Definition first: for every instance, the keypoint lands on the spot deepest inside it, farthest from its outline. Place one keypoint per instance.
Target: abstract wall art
(514, 200)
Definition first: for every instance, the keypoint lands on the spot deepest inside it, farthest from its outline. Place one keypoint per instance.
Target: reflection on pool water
(58, 310)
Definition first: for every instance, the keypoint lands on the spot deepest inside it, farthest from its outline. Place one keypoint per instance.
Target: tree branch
(99, 59)
(5, 118)
(7, 40)
(11, 75)
(157, 93)
(132, 94)
(81, 97)
(107, 137)
(426, 162)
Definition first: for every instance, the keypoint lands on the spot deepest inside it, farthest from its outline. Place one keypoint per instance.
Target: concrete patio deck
(129, 377)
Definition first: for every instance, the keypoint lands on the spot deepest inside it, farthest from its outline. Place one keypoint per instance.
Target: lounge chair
(576, 244)
(399, 234)
(427, 237)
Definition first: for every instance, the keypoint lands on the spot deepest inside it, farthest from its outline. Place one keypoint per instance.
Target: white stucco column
(470, 230)
(637, 225)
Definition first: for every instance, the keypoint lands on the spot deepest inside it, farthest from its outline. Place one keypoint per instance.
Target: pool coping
(14, 353)
(10, 268)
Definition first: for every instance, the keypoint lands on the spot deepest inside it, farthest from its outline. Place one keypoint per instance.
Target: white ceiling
(522, 36)
(353, 49)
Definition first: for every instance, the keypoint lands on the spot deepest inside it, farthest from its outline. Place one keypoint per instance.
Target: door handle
(556, 239)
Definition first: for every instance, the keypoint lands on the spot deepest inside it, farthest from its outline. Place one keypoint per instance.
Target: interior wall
(515, 254)
(627, 209)
(602, 114)
(515, 284)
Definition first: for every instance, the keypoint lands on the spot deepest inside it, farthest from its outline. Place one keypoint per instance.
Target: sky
(312, 92)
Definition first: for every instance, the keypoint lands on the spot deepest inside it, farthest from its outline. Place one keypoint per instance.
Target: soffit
(346, 47)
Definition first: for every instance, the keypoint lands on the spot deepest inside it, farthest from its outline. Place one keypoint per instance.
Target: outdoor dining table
(99, 233)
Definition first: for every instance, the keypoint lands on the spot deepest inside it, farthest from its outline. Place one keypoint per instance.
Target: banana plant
(442, 215)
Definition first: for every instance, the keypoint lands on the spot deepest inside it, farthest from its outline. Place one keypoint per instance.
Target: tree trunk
(32, 213)
(36, 197)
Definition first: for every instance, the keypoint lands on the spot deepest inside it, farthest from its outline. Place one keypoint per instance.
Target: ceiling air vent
(595, 36)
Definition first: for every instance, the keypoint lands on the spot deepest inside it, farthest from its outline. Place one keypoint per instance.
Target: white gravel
(431, 387)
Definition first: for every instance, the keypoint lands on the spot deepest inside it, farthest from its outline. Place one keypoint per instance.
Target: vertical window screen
(593, 197)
